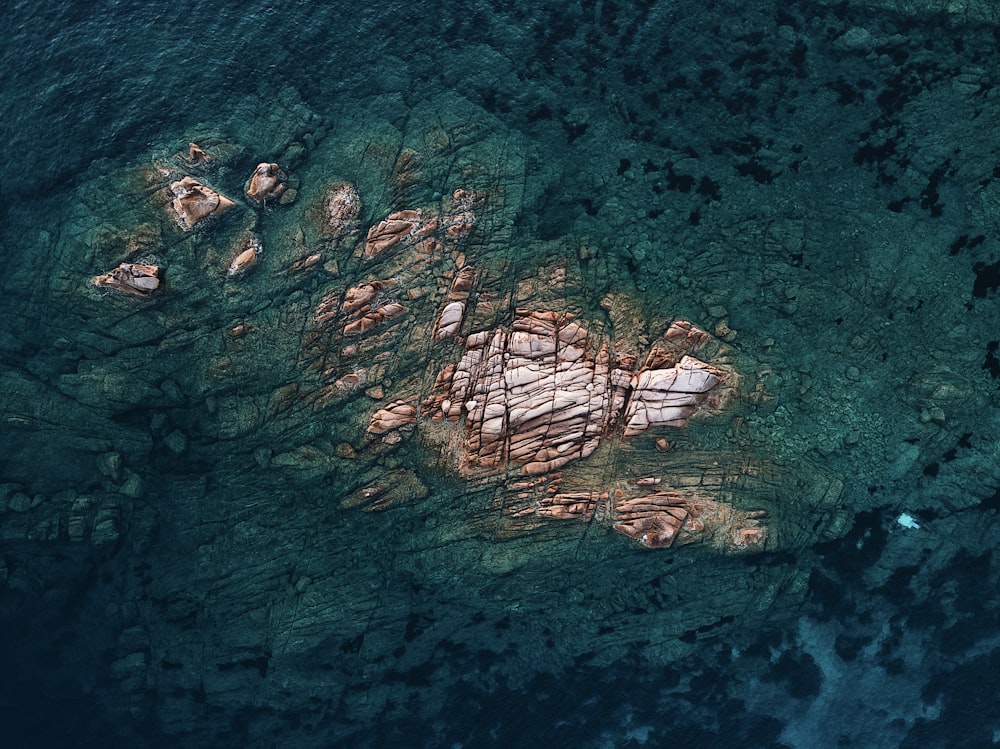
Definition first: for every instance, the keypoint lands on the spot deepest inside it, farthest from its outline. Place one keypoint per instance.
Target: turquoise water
(186, 552)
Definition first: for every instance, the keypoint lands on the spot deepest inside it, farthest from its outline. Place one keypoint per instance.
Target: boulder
(409, 226)
(397, 414)
(132, 278)
(192, 202)
(246, 256)
(267, 181)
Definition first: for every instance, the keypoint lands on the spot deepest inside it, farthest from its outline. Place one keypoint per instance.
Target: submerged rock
(341, 209)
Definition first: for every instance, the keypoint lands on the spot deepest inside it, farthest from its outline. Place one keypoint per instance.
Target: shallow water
(185, 554)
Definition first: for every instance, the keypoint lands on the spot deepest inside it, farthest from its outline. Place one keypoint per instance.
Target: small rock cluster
(191, 203)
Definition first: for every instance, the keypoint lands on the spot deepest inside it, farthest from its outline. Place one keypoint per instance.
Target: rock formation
(544, 394)
(524, 402)
(395, 415)
(341, 208)
(246, 256)
(192, 202)
(402, 226)
(267, 181)
(132, 278)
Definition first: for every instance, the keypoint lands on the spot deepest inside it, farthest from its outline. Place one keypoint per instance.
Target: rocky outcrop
(395, 415)
(544, 393)
(132, 278)
(521, 402)
(341, 209)
(533, 398)
(192, 202)
(667, 397)
(267, 181)
(403, 226)
(315, 399)
(246, 256)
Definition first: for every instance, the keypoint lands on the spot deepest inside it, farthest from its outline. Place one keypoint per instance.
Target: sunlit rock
(668, 396)
(401, 227)
(395, 415)
(450, 320)
(192, 202)
(544, 394)
(267, 181)
(132, 278)
(246, 257)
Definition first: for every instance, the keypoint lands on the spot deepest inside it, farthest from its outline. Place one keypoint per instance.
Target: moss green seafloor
(826, 204)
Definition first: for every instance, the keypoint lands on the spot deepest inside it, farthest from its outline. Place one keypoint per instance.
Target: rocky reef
(467, 413)
(398, 352)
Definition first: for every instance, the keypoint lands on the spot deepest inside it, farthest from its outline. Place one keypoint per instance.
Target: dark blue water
(825, 172)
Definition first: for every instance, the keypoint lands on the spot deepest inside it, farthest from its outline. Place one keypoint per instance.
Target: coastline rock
(267, 181)
(192, 202)
(132, 278)
(544, 394)
(341, 210)
(403, 226)
(246, 256)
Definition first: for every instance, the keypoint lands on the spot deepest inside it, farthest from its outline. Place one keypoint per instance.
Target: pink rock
(246, 258)
(539, 397)
(668, 397)
(401, 226)
(267, 181)
(450, 320)
(342, 207)
(132, 278)
(397, 414)
(192, 201)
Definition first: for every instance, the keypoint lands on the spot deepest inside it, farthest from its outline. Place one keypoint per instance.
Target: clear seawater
(823, 172)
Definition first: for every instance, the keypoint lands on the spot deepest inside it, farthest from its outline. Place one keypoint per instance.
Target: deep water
(815, 183)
